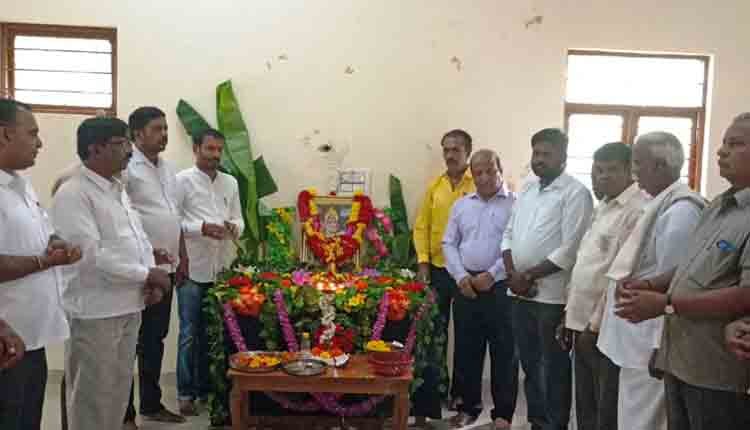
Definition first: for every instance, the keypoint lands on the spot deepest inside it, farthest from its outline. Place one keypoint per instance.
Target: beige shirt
(613, 221)
(692, 349)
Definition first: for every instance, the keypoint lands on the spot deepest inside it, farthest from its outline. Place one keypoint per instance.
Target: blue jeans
(547, 366)
(192, 348)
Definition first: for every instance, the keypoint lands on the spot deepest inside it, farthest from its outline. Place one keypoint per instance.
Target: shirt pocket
(718, 263)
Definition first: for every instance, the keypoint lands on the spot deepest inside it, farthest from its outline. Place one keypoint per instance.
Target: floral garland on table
(339, 249)
(327, 401)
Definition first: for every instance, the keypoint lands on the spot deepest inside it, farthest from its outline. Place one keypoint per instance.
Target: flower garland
(341, 248)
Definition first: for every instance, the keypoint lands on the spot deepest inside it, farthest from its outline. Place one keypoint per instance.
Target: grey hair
(665, 147)
(487, 155)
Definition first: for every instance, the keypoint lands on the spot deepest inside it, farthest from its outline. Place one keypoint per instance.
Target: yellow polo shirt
(433, 214)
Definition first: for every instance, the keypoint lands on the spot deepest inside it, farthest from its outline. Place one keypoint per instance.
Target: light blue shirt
(473, 237)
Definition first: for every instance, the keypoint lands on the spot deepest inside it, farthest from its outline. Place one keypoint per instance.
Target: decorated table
(356, 377)
(343, 295)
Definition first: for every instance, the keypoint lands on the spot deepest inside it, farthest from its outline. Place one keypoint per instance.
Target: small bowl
(395, 355)
(391, 368)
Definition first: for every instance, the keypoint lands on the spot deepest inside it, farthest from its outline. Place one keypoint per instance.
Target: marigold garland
(341, 248)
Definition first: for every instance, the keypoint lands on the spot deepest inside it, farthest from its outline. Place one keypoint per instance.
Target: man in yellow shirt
(432, 219)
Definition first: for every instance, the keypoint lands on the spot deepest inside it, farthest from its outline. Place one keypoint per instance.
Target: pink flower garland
(234, 328)
(327, 401)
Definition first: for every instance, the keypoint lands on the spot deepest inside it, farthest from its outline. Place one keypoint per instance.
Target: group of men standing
(647, 292)
(98, 272)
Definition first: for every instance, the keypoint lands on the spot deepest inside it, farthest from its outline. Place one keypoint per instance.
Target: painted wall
(384, 78)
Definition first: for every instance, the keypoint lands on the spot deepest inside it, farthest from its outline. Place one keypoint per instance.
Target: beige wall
(404, 91)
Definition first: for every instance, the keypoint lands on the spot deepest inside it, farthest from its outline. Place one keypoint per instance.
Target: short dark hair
(9, 110)
(456, 134)
(614, 151)
(203, 134)
(98, 130)
(553, 136)
(142, 116)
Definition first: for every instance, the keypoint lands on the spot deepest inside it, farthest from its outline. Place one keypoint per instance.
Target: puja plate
(238, 361)
(304, 367)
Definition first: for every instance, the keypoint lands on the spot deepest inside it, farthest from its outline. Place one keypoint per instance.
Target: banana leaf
(237, 145)
(194, 123)
(264, 183)
(400, 220)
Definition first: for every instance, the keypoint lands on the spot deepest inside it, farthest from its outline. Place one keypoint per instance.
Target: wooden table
(356, 378)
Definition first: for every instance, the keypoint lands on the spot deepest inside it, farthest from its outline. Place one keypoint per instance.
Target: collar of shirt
(558, 183)
(113, 185)
(739, 198)
(465, 178)
(626, 195)
(140, 158)
(501, 193)
(6, 178)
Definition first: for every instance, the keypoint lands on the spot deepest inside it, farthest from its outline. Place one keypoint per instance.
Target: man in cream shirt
(539, 246)
(649, 256)
(113, 282)
(596, 377)
(30, 284)
(212, 218)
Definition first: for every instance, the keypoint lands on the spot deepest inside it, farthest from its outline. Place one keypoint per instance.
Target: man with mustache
(649, 254)
(112, 284)
(549, 219)
(212, 218)
(482, 307)
(151, 183)
(706, 383)
(30, 282)
(429, 227)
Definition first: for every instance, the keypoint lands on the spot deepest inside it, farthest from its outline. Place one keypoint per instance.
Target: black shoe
(462, 419)
(164, 416)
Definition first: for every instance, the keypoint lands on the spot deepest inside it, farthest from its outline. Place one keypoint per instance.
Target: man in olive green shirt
(707, 386)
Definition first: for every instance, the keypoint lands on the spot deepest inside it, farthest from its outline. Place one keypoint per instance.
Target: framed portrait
(334, 213)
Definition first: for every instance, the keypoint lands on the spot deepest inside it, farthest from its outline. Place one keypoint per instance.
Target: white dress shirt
(32, 304)
(630, 345)
(548, 224)
(613, 221)
(95, 213)
(212, 202)
(154, 194)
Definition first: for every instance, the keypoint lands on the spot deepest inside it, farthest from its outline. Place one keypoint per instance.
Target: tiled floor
(52, 410)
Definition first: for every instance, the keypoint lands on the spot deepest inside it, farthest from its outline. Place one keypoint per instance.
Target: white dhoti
(641, 403)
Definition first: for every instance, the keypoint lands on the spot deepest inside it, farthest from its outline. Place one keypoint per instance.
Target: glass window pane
(61, 81)
(638, 81)
(682, 128)
(63, 43)
(60, 60)
(586, 133)
(64, 99)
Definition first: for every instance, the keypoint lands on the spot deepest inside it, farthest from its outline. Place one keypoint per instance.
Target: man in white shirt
(539, 246)
(151, 184)
(30, 284)
(212, 219)
(113, 282)
(648, 258)
(596, 377)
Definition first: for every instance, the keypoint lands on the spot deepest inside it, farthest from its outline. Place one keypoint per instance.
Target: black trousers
(695, 408)
(445, 288)
(478, 323)
(150, 353)
(22, 392)
(597, 382)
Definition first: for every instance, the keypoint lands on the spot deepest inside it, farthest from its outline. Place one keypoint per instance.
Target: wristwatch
(669, 308)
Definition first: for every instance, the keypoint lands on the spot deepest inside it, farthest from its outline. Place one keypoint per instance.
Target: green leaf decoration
(237, 146)
(265, 185)
(400, 220)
